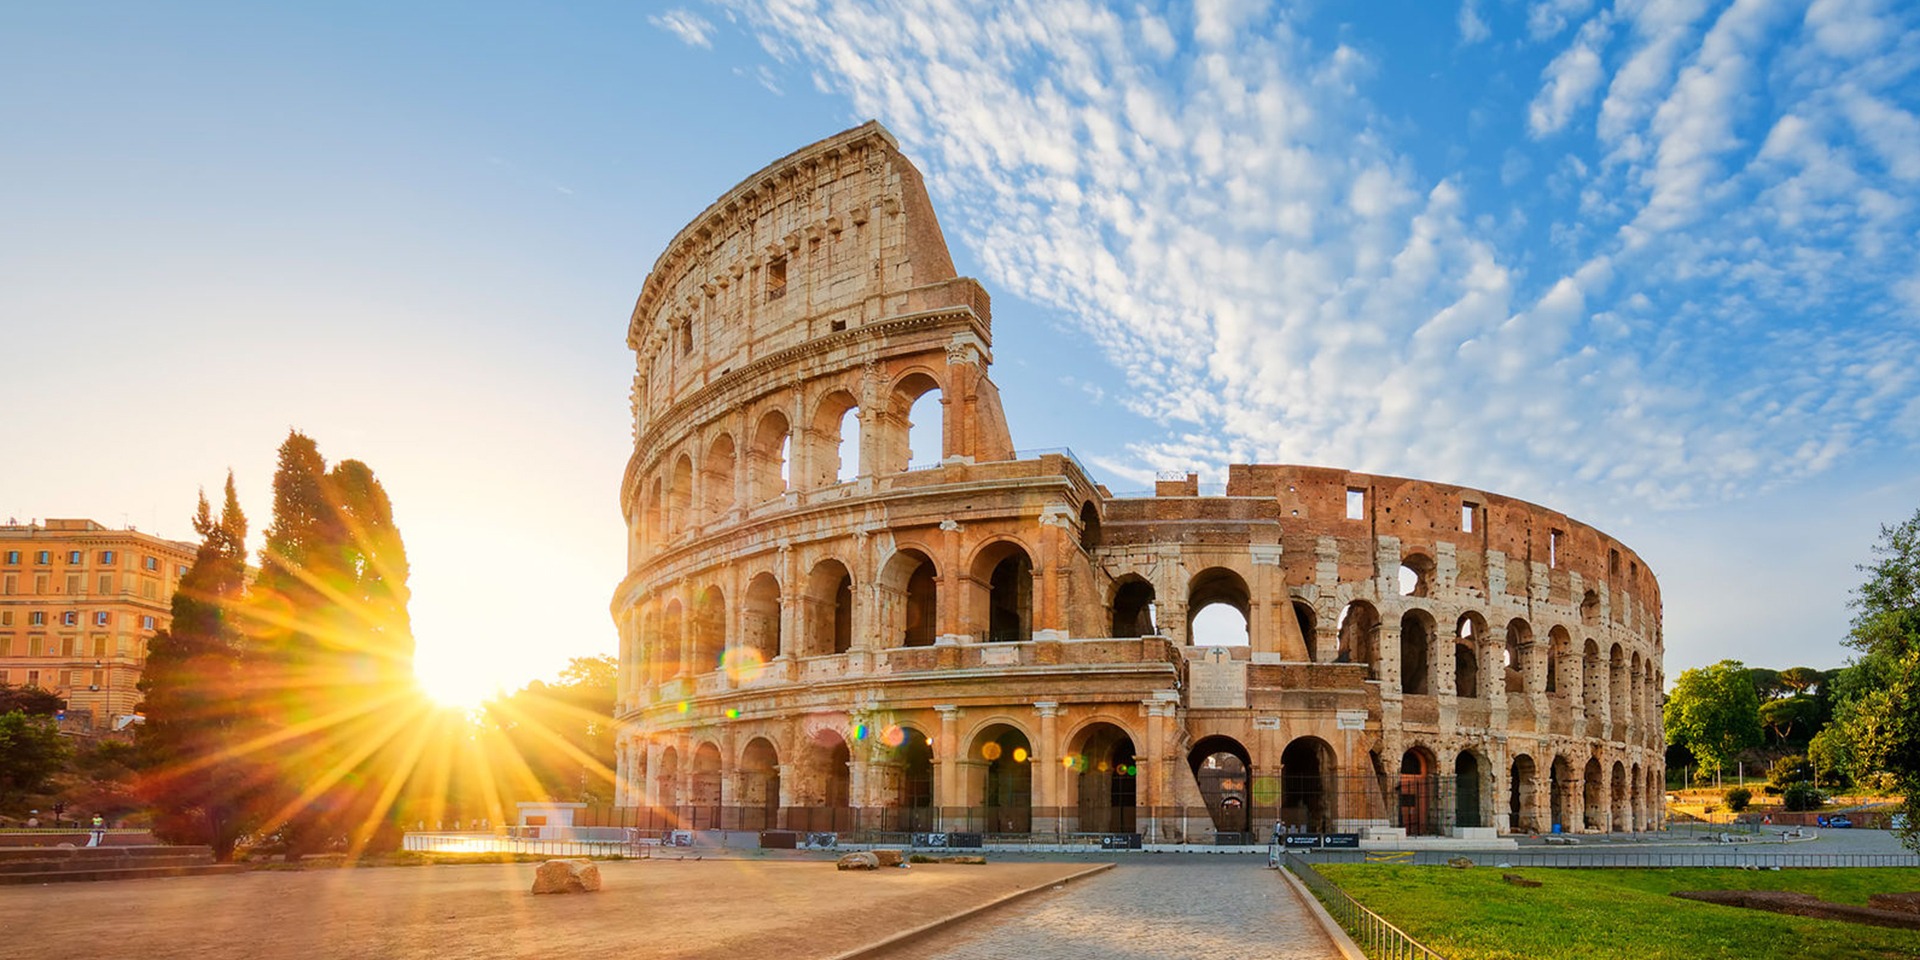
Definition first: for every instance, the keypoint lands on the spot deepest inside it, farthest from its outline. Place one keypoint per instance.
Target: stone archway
(1309, 793)
(1224, 770)
(1102, 774)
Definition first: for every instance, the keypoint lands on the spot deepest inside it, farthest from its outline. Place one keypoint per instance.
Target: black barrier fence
(1236, 810)
(1623, 859)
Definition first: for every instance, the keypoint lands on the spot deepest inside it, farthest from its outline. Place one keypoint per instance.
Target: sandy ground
(672, 910)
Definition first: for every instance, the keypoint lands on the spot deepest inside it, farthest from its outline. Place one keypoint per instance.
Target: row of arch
(709, 479)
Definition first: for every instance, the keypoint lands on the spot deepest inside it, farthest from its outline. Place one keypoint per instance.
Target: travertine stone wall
(792, 640)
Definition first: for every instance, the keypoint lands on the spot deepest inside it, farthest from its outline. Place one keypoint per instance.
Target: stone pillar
(1542, 796)
(1046, 769)
(1151, 782)
(947, 794)
(621, 773)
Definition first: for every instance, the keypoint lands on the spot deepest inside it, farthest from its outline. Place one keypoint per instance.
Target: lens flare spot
(685, 706)
(1019, 754)
(1103, 766)
(733, 713)
(743, 664)
(990, 751)
(894, 736)
(860, 731)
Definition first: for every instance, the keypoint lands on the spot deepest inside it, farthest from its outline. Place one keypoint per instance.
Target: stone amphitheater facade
(821, 628)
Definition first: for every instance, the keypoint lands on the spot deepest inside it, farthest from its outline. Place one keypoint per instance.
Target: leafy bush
(1800, 796)
(1738, 798)
(1792, 769)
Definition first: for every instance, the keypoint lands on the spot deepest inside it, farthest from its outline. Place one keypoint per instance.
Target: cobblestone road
(1201, 908)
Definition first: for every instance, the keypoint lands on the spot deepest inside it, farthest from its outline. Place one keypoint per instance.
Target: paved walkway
(1199, 908)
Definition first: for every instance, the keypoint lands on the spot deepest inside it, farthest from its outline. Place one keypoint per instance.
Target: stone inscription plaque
(1216, 681)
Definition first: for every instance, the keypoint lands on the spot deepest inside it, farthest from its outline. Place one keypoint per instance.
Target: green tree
(31, 752)
(1792, 769)
(1880, 709)
(329, 618)
(562, 731)
(44, 703)
(1790, 716)
(195, 771)
(1802, 681)
(1714, 713)
(1766, 683)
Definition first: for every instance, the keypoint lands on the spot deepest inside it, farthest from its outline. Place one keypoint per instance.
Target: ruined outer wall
(772, 611)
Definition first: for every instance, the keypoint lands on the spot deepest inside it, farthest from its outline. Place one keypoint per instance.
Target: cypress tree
(194, 770)
(330, 620)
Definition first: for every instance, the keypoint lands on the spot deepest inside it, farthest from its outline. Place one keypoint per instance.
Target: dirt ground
(666, 909)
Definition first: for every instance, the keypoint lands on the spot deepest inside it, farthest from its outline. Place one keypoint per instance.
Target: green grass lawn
(1475, 915)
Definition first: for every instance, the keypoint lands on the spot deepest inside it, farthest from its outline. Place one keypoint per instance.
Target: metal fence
(1372, 932)
(1621, 860)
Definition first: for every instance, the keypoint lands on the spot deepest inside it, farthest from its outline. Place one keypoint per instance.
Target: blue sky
(1656, 264)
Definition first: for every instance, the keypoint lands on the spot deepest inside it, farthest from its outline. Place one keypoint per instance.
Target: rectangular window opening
(1356, 504)
(776, 278)
(1553, 550)
(1466, 517)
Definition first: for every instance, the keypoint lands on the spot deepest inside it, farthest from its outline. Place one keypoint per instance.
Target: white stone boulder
(566, 876)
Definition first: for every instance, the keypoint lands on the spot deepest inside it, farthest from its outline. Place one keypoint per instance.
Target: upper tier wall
(834, 235)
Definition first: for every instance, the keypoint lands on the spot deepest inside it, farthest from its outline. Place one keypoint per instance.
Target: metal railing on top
(1372, 932)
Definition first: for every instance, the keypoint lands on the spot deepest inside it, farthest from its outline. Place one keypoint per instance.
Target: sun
(455, 684)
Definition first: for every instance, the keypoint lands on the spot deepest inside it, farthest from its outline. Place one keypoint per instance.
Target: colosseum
(825, 627)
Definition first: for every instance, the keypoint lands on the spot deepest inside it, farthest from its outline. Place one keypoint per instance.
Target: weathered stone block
(566, 876)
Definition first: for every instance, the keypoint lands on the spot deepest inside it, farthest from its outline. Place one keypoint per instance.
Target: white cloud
(1472, 28)
(1571, 80)
(1546, 18)
(692, 29)
(1239, 235)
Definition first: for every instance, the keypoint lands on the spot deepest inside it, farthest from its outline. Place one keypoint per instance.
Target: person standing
(99, 831)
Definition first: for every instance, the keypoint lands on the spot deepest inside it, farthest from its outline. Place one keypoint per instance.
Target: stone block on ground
(1518, 880)
(566, 876)
(859, 861)
(889, 858)
(1459, 863)
(963, 858)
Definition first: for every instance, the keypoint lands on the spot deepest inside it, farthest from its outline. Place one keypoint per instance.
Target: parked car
(1839, 821)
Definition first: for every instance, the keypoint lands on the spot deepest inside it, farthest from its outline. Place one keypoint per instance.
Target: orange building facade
(78, 602)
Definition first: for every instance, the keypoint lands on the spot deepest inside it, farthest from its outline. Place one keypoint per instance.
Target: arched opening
(1304, 618)
(912, 755)
(680, 494)
(824, 788)
(1308, 787)
(1590, 608)
(716, 479)
(1637, 800)
(1415, 638)
(1520, 813)
(920, 440)
(1003, 759)
(1466, 791)
(1560, 794)
(1471, 633)
(760, 619)
(908, 587)
(836, 439)
(705, 787)
(1559, 648)
(1416, 575)
(759, 799)
(667, 779)
(1595, 798)
(1593, 681)
(1133, 608)
(1420, 802)
(1622, 815)
(772, 453)
(1359, 631)
(1103, 775)
(829, 609)
(709, 629)
(672, 625)
(1224, 771)
(656, 518)
(1218, 606)
(1089, 527)
(1519, 653)
(1617, 688)
(1006, 605)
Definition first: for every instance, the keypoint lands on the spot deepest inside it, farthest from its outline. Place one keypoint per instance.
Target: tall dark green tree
(1879, 694)
(1714, 713)
(31, 752)
(196, 770)
(329, 617)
